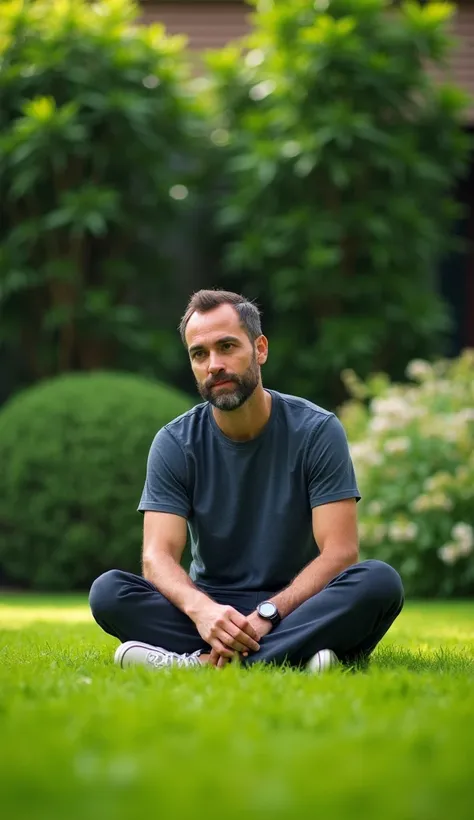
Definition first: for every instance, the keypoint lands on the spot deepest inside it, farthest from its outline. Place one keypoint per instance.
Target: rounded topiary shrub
(73, 454)
(413, 450)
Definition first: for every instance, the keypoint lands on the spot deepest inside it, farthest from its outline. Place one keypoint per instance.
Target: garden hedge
(73, 452)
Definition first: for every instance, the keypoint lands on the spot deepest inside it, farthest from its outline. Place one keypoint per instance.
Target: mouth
(225, 383)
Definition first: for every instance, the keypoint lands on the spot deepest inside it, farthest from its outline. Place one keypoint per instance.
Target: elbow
(148, 564)
(351, 555)
(146, 570)
(343, 556)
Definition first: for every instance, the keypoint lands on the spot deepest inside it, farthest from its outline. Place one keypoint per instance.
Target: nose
(215, 364)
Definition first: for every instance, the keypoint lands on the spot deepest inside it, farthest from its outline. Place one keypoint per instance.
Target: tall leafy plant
(339, 154)
(94, 117)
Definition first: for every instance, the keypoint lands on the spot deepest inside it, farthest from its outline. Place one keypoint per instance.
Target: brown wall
(209, 24)
(461, 70)
(213, 23)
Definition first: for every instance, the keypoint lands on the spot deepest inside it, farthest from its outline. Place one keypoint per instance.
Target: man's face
(224, 361)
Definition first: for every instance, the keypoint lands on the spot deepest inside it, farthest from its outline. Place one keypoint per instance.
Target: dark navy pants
(350, 615)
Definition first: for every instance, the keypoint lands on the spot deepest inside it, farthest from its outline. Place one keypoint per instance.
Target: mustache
(221, 377)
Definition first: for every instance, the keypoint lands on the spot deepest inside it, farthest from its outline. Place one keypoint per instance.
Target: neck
(249, 420)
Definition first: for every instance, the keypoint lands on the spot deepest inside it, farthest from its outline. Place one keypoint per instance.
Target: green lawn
(81, 738)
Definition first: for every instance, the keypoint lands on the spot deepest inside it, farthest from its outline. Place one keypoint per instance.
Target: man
(265, 485)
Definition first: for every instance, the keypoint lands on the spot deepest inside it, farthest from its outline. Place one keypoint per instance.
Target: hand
(226, 631)
(260, 626)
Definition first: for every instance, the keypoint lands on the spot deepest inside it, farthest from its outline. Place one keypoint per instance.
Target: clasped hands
(229, 633)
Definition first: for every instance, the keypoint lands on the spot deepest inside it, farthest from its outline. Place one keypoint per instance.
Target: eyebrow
(220, 341)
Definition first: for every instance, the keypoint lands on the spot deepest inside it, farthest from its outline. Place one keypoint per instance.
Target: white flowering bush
(413, 451)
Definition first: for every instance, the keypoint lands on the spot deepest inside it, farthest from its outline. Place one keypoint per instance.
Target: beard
(230, 398)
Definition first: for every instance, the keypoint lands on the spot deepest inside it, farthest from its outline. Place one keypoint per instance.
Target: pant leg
(350, 616)
(130, 608)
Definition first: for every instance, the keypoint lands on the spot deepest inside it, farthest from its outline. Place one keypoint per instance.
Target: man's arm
(164, 540)
(222, 627)
(335, 532)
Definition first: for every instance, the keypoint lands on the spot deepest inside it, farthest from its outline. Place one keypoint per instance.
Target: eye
(227, 345)
(198, 354)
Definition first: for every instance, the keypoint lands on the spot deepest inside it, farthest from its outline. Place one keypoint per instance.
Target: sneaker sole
(124, 648)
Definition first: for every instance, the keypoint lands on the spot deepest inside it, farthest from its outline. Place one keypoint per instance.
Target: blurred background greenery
(322, 168)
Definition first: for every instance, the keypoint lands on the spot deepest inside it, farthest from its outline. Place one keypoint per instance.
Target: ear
(261, 349)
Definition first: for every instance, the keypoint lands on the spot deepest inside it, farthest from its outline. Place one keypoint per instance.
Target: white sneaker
(322, 661)
(136, 653)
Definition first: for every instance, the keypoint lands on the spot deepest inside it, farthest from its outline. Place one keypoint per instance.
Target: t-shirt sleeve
(165, 487)
(330, 471)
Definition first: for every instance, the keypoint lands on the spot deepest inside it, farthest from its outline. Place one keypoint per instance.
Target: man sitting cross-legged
(265, 485)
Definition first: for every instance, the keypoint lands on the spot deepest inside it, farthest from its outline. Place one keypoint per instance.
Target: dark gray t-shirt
(248, 504)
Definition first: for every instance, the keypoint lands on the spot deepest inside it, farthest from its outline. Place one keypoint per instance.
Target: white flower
(438, 481)
(453, 426)
(393, 411)
(380, 424)
(442, 502)
(390, 406)
(449, 553)
(437, 501)
(451, 434)
(434, 501)
(379, 533)
(419, 370)
(397, 445)
(371, 535)
(422, 503)
(365, 452)
(403, 531)
(463, 534)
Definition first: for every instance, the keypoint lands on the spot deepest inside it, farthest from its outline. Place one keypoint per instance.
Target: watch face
(267, 610)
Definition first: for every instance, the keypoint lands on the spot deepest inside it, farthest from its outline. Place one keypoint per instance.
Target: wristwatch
(269, 612)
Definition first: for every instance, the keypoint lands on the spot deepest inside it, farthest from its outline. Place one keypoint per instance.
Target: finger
(229, 641)
(249, 643)
(222, 649)
(213, 657)
(222, 662)
(244, 640)
(243, 624)
(240, 640)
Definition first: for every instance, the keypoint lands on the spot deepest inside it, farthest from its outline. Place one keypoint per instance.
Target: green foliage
(94, 120)
(413, 450)
(73, 452)
(339, 153)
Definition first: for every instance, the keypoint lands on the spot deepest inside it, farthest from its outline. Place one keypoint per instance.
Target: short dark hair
(204, 300)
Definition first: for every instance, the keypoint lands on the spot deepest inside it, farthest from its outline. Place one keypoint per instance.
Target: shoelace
(158, 659)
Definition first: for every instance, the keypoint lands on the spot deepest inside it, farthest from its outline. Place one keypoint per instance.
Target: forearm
(313, 578)
(174, 583)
